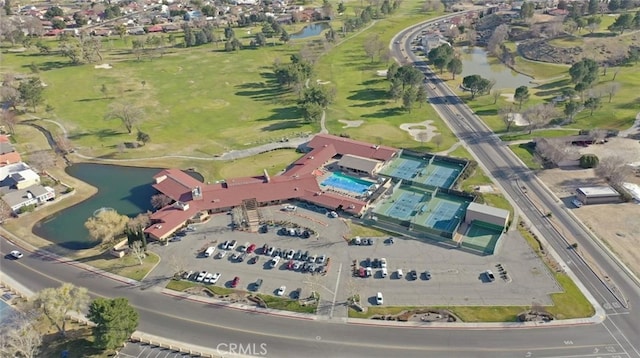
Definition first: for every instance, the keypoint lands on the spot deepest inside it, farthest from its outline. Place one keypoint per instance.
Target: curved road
(208, 325)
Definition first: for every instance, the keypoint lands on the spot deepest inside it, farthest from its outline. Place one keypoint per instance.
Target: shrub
(589, 161)
(27, 209)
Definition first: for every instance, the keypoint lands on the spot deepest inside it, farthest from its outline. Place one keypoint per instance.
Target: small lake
(476, 62)
(314, 29)
(126, 189)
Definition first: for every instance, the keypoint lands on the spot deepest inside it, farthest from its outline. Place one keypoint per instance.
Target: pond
(314, 29)
(476, 62)
(128, 190)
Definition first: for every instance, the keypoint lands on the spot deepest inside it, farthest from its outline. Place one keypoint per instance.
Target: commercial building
(597, 195)
(486, 214)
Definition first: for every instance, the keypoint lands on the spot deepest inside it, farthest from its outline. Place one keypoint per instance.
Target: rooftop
(595, 191)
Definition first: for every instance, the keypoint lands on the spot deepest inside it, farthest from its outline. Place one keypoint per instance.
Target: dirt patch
(615, 224)
(421, 132)
(627, 148)
(350, 124)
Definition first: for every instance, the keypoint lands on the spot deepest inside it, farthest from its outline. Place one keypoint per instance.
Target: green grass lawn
(286, 304)
(127, 266)
(567, 42)
(525, 152)
(181, 285)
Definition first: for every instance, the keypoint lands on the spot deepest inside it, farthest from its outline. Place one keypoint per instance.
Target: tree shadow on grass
(367, 95)
(53, 65)
(284, 125)
(101, 134)
(633, 104)
(89, 99)
(370, 104)
(487, 112)
(554, 84)
(384, 113)
(267, 93)
(284, 113)
(600, 35)
(373, 82)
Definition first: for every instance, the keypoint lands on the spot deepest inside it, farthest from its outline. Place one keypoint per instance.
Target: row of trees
(406, 84)
(443, 57)
(115, 320)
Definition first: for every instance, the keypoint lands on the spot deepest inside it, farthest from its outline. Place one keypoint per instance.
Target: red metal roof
(299, 182)
(350, 146)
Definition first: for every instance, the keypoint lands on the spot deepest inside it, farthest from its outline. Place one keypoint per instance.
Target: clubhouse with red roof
(194, 200)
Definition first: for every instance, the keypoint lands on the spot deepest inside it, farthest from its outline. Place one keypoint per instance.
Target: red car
(290, 265)
(251, 248)
(235, 282)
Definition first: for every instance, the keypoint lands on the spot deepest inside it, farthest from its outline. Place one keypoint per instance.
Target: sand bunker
(421, 132)
(322, 82)
(518, 119)
(382, 73)
(105, 66)
(508, 97)
(350, 124)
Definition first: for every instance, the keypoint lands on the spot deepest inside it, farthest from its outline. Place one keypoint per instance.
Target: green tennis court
(482, 237)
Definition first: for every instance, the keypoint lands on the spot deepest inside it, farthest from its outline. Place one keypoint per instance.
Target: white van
(399, 273)
(384, 272)
(209, 251)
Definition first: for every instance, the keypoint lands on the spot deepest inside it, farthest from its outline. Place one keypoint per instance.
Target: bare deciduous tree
(598, 134)
(42, 160)
(471, 36)
(611, 89)
(141, 220)
(57, 303)
(432, 5)
(539, 115)
(159, 201)
(613, 169)
(437, 140)
(20, 336)
(9, 119)
(138, 251)
(63, 143)
(555, 151)
(507, 115)
(499, 36)
(496, 93)
(5, 211)
(129, 114)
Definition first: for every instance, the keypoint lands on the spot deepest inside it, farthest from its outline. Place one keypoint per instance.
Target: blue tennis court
(445, 216)
(441, 176)
(404, 206)
(404, 168)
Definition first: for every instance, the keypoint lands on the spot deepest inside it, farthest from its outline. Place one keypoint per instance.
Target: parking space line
(335, 291)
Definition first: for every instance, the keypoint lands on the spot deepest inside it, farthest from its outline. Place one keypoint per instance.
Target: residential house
(32, 195)
(8, 154)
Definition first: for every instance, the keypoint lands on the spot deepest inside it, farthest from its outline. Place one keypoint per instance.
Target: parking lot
(457, 277)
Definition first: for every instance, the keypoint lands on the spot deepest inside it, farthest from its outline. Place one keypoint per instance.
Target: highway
(208, 325)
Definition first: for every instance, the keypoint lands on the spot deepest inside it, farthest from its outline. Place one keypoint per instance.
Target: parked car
(306, 234)
(305, 256)
(356, 241)
(321, 259)
(225, 245)
(297, 265)
(175, 239)
(207, 277)
(275, 261)
(312, 258)
(383, 263)
(289, 255)
(235, 256)
(281, 290)
(221, 254)
(379, 299)
(209, 251)
(16, 254)
(232, 245)
(181, 233)
(577, 203)
(413, 274)
(257, 284)
(242, 257)
(384, 272)
(399, 273)
(201, 276)
(375, 263)
(362, 272)
(277, 252)
(265, 248)
(215, 278)
(297, 255)
(187, 274)
(270, 251)
(333, 214)
(289, 208)
(254, 260)
(369, 271)
(190, 228)
(251, 248)
(235, 282)
(427, 275)
(490, 276)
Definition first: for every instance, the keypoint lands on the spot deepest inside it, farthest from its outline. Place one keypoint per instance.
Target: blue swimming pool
(348, 183)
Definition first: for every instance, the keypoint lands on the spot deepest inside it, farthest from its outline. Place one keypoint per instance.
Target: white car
(207, 277)
(232, 245)
(379, 299)
(290, 254)
(215, 278)
(16, 254)
(275, 261)
(244, 247)
(383, 263)
(281, 290)
(201, 276)
(221, 254)
(577, 203)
